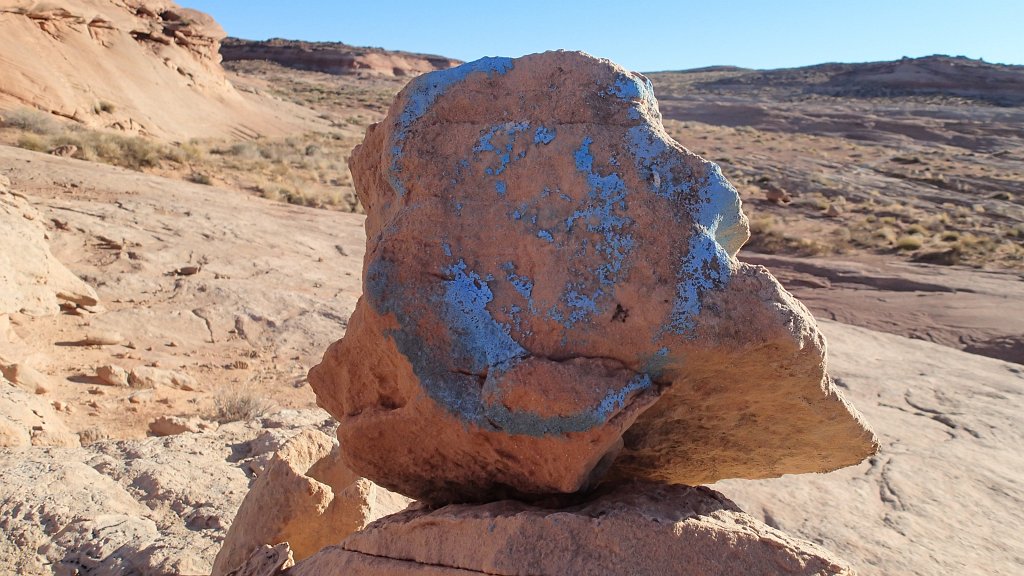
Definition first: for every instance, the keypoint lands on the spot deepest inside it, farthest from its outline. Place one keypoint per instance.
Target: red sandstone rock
(548, 273)
(637, 529)
(306, 498)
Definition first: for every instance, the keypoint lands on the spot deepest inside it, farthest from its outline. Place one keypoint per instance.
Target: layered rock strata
(639, 529)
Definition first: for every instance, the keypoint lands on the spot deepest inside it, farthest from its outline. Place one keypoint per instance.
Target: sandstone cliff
(144, 67)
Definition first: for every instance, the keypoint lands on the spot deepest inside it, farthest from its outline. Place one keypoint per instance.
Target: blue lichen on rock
(544, 263)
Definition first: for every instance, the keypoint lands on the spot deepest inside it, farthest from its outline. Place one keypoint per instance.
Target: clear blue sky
(648, 36)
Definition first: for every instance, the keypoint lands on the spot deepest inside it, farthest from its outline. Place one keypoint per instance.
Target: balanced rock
(28, 420)
(637, 528)
(551, 288)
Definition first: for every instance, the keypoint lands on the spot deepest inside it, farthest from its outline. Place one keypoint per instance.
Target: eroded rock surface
(158, 506)
(307, 498)
(32, 280)
(544, 264)
(635, 529)
(140, 66)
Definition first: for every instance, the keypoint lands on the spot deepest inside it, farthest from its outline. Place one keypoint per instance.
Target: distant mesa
(334, 57)
(937, 75)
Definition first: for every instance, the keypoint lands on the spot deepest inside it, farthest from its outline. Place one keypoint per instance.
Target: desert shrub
(31, 142)
(909, 242)
(34, 121)
(237, 404)
(950, 236)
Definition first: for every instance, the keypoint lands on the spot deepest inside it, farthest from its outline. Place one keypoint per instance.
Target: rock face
(144, 66)
(307, 498)
(550, 284)
(28, 420)
(32, 280)
(334, 57)
(635, 529)
(157, 506)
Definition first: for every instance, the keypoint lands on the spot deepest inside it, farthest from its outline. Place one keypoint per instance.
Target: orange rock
(306, 498)
(637, 529)
(543, 264)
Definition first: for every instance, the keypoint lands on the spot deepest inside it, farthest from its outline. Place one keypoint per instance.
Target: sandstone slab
(171, 425)
(32, 280)
(28, 420)
(150, 377)
(551, 283)
(636, 529)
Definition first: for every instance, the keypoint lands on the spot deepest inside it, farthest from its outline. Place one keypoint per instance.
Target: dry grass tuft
(238, 404)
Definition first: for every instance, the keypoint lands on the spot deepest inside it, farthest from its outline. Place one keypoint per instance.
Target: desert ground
(226, 256)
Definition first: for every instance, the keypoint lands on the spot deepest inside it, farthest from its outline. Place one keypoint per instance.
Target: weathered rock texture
(28, 420)
(334, 57)
(32, 281)
(146, 66)
(549, 274)
(635, 529)
(157, 506)
(307, 498)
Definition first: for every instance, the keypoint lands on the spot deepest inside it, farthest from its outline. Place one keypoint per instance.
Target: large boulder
(636, 529)
(307, 498)
(549, 275)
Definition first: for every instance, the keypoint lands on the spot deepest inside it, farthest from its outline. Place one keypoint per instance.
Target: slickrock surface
(29, 420)
(307, 498)
(943, 495)
(543, 265)
(32, 281)
(146, 66)
(635, 529)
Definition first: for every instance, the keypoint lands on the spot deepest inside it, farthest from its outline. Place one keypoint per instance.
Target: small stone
(142, 397)
(150, 377)
(66, 150)
(776, 194)
(106, 338)
(833, 211)
(112, 375)
(171, 425)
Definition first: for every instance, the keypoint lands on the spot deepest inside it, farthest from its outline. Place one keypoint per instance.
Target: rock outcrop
(334, 57)
(639, 529)
(551, 288)
(141, 66)
(32, 280)
(307, 498)
(157, 506)
(29, 420)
